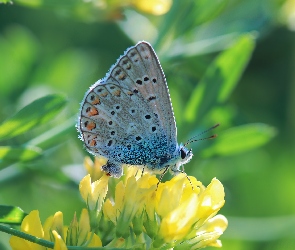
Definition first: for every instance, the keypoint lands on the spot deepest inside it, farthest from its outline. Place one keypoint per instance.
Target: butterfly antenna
(202, 139)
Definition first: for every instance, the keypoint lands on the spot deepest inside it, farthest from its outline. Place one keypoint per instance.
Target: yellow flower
(59, 243)
(154, 7)
(139, 213)
(113, 10)
(31, 224)
(55, 231)
(187, 216)
(94, 193)
(94, 168)
(174, 215)
(129, 200)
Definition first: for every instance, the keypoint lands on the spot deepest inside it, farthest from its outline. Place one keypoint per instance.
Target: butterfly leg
(113, 169)
(142, 171)
(182, 166)
(162, 175)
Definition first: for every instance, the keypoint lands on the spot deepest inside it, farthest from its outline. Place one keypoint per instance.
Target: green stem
(45, 243)
(25, 236)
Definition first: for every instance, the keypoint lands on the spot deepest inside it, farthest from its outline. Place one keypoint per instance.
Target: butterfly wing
(127, 116)
(139, 69)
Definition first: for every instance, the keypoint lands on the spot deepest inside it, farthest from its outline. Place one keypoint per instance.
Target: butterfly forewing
(140, 70)
(158, 89)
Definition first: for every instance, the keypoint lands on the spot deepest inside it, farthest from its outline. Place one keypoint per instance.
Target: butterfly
(127, 116)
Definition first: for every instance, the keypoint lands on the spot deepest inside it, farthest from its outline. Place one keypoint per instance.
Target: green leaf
(197, 12)
(34, 114)
(11, 215)
(19, 153)
(10, 155)
(232, 64)
(55, 135)
(220, 79)
(19, 50)
(239, 139)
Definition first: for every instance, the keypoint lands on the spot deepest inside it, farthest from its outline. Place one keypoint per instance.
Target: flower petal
(94, 193)
(17, 243)
(211, 200)
(58, 243)
(58, 224)
(84, 227)
(31, 224)
(178, 223)
(85, 187)
(109, 211)
(169, 194)
(95, 240)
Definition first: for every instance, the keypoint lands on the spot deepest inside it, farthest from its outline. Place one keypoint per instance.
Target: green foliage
(34, 114)
(52, 51)
(28, 118)
(5, 1)
(219, 80)
(11, 215)
(239, 139)
(12, 154)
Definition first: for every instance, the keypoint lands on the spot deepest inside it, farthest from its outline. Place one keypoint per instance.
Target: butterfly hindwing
(113, 121)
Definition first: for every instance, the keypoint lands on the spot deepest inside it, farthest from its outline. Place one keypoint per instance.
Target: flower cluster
(137, 212)
(77, 234)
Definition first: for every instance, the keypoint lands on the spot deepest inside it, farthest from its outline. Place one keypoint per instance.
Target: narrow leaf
(220, 79)
(32, 115)
(239, 139)
(11, 215)
(232, 64)
(19, 153)
(10, 155)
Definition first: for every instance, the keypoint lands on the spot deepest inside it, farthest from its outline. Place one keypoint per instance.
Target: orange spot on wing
(122, 77)
(93, 111)
(91, 125)
(117, 92)
(96, 101)
(92, 143)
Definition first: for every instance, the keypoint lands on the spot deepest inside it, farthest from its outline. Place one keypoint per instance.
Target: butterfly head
(185, 154)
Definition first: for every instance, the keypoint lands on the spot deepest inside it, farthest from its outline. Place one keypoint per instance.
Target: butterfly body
(127, 116)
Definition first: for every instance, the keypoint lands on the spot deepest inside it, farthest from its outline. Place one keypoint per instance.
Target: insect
(128, 118)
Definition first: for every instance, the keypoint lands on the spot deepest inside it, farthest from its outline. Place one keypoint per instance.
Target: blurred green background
(227, 61)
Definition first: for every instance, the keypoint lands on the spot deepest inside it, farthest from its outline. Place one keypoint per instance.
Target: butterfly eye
(183, 154)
